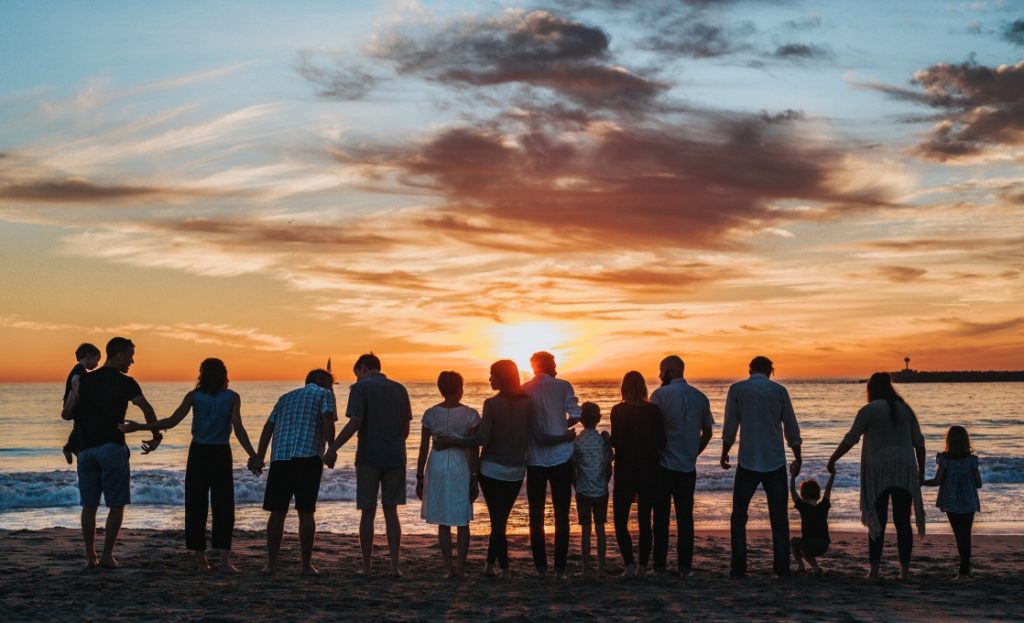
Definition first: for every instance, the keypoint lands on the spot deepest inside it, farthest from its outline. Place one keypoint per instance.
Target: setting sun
(520, 340)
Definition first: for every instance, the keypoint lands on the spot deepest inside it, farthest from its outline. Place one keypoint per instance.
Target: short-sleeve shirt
(384, 406)
(593, 456)
(297, 418)
(957, 491)
(685, 410)
(103, 398)
(814, 519)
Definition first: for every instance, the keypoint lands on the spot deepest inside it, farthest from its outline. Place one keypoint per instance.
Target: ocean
(39, 490)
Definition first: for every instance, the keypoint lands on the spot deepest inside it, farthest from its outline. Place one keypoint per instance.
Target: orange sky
(447, 186)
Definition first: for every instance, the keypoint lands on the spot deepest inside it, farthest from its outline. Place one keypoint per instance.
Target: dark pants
(500, 496)
(901, 502)
(775, 488)
(537, 478)
(962, 524)
(209, 481)
(677, 488)
(626, 490)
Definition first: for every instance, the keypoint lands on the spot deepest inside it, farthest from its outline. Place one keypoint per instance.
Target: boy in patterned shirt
(592, 459)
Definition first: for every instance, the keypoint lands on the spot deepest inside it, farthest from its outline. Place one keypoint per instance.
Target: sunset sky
(832, 184)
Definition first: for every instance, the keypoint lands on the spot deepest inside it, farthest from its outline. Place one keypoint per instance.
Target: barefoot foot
(310, 570)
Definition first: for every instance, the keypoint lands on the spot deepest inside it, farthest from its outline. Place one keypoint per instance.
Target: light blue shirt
(552, 400)
(685, 410)
(761, 407)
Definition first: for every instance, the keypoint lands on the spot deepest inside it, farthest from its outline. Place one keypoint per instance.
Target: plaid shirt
(297, 422)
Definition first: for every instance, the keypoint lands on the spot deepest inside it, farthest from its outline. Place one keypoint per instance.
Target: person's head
(762, 365)
(505, 378)
(321, 377)
(590, 414)
(120, 354)
(880, 388)
(213, 376)
(366, 365)
(88, 355)
(810, 491)
(634, 388)
(543, 362)
(958, 443)
(671, 367)
(449, 383)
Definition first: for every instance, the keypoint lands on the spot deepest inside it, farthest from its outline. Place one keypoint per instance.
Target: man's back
(384, 406)
(552, 398)
(103, 398)
(685, 410)
(762, 408)
(297, 422)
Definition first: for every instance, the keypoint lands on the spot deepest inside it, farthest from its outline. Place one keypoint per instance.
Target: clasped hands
(255, 465)
(149, 445)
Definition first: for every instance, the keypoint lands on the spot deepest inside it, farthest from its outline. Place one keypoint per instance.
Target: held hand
(330, 458)
(152, 444)
(794, 468)
(725, 461)
(129, 426)
(419, 488)
(255, 465)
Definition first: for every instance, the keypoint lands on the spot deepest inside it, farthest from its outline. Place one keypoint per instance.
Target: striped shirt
(296, 417)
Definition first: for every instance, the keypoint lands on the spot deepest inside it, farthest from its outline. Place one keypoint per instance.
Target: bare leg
(89, 536)
(275, 532)
(394, 533)
(463, 551)
(114, 517)
(307, 534)
(225, 562)
(366, 538)
(602, 544)
(811, 560)
(444, 538)
(799, 557)
(585, 549)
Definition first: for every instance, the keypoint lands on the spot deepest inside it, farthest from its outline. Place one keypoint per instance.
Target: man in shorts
(98, 407)
(301, 423)
(379, 410)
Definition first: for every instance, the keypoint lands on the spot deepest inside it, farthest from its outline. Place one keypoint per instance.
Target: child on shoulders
(814, 540)
(958, 478)
(592, 458)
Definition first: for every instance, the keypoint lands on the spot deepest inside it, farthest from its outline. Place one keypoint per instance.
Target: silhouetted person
(209, 472)
(549, 459)
(87, 357)
(379, 410)
(301, 423)
(638, 437)
(891, 468)
(686, 413)
(100, 405)
(763, 410)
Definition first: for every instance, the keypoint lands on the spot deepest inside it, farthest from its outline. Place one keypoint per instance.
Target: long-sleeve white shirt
(554, 401)
(761, 407)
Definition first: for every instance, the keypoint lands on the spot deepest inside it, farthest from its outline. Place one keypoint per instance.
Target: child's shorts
(596, 507)
(810, 547)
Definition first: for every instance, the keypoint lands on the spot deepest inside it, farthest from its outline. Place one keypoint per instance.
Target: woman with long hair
(638, 435)
(891, 469)
(503, 434)
(209, 473)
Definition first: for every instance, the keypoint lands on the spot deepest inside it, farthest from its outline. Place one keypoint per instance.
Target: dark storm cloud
(1014, 32)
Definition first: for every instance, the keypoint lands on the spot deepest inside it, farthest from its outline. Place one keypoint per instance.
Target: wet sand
(43, 579)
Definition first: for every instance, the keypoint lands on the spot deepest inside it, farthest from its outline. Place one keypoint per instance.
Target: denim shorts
(104, 469)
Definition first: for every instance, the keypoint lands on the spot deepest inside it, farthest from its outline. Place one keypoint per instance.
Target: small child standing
(88, 357)
(814, 540)
(958, 479)
(592, 458)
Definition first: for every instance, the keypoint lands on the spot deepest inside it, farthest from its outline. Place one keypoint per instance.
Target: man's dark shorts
(104, 469)
(810, 547)
(299, 477)
(588, 507)
(388, 481)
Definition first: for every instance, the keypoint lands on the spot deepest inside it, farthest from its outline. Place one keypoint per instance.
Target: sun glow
(518, 341)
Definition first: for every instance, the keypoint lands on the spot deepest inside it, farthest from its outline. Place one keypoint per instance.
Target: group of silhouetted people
(526, 432)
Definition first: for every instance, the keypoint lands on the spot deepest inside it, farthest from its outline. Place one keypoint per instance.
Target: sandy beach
(44, 579)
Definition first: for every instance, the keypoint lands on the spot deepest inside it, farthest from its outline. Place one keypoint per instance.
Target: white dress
(446, 477)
